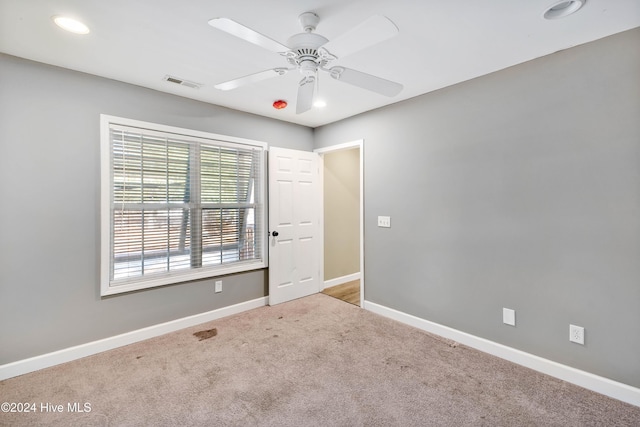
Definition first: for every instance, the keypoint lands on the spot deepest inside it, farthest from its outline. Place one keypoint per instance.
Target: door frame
(321, 152)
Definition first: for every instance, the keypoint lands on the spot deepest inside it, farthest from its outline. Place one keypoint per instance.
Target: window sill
(119, 287)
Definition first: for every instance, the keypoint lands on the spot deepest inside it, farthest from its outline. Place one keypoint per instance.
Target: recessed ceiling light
(319, 103)
(71, 25)
(563, 8)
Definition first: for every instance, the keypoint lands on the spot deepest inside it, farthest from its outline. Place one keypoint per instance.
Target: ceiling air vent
(187, 83)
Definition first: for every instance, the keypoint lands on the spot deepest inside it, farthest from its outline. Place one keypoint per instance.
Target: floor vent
(187, 83)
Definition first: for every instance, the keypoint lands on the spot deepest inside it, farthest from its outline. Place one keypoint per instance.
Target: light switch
(384, 221)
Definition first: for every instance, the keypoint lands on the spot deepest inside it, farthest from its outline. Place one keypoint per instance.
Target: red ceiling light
(279, 104)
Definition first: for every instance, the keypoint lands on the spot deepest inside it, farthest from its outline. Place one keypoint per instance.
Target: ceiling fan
(309, 52)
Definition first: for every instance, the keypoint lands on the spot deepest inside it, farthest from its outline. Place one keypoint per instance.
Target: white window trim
(105, 209)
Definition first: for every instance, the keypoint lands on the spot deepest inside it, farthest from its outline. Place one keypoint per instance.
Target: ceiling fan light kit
(309, 52)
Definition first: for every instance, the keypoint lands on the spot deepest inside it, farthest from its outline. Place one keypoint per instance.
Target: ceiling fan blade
(370, 32)
(305, 95)
(366, 81)
(232, 27)
(251, 78)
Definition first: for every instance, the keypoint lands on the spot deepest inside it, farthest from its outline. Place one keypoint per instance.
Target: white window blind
(182, 205)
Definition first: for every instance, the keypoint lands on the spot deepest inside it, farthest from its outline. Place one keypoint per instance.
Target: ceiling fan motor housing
(305, 52)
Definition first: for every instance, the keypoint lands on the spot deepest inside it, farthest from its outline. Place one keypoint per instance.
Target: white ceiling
(441, 42)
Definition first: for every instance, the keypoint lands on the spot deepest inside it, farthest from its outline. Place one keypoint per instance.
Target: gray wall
(519, 189)
(49, 215)
(341, 213)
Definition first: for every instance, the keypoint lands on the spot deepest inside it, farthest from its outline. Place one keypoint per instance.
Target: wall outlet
(218, 286)
(384, 221)
(509, 316)
(576, 334)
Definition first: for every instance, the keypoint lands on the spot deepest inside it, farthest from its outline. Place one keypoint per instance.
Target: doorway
(341, 178)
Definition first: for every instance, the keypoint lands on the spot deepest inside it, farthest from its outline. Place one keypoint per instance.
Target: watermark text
(46, 407)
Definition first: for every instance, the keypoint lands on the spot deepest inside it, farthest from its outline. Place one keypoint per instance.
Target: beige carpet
(316, 361)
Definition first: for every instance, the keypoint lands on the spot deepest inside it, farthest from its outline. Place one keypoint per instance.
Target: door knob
(275, 234)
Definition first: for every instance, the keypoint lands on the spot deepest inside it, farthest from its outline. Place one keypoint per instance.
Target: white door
(294, 215)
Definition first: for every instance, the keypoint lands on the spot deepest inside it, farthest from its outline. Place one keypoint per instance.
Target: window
(178, 205)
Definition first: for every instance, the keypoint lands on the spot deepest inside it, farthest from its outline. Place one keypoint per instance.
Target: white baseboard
(340, 280)
(25, 366)
(602, 385)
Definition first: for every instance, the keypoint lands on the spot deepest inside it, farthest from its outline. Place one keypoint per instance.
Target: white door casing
(358, 144)
(294, 216)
